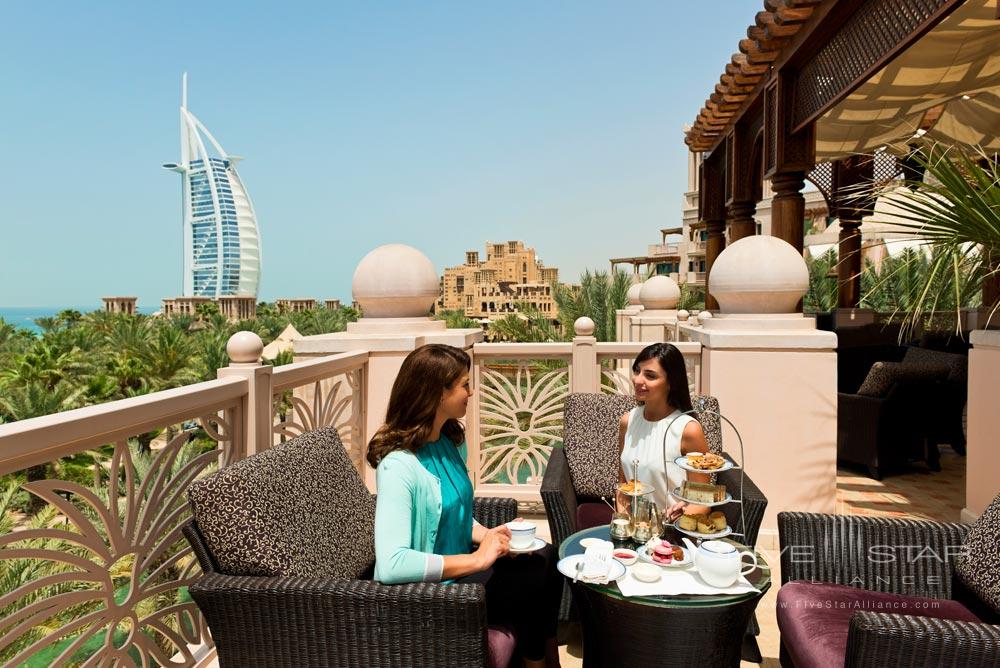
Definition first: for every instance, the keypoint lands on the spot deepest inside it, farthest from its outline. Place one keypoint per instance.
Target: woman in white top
(660, 381)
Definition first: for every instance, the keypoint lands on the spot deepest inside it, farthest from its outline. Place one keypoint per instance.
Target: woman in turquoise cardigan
(424, 529)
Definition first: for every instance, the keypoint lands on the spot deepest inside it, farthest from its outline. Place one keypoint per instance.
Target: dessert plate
(567, 566)
(677, 495)
(682, 461)
(704, 536)
(686, 561)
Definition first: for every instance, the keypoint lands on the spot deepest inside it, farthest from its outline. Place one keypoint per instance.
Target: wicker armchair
(832, 565)
(586, 468)
(339, 619)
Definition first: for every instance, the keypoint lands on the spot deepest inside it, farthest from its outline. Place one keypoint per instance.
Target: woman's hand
(675, 511)
(495, 544)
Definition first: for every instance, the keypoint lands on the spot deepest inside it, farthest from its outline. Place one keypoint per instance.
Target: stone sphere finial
(583, 326)
(705, 315)
(659, 293)
(395, 281)
(683, 315)
(759, 274)
(633, 294)
(244, 348)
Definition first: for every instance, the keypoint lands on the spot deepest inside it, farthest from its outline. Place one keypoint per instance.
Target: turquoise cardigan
(407, 515)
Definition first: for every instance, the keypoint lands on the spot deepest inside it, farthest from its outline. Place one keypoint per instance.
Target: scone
(704, 524)
(718, 520)
(688, 523)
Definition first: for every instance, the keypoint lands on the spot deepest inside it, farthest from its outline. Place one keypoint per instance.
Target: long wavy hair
(424, 376)
(672, 362)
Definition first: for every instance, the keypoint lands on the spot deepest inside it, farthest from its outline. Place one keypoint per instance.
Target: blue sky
(438, 124)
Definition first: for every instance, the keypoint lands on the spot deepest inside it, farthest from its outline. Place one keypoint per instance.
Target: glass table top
(760, 577)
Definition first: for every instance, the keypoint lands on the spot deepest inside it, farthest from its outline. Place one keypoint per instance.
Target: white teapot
(720, 564)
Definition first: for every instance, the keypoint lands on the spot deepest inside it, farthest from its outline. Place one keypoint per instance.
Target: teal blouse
(408, 516)
(442, 460)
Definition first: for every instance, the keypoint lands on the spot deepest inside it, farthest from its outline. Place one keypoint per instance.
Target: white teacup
(522, 534)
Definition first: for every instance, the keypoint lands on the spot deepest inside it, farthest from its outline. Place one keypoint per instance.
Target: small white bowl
(627, 558)
(646, 572)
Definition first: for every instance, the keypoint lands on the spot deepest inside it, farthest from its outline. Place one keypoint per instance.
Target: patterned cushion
(590, 438)
(979, 569)
(883, 375)
(957, 364)
(299, 508)
(711, 423)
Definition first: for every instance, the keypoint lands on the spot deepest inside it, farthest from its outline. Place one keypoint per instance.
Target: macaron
(663, 553)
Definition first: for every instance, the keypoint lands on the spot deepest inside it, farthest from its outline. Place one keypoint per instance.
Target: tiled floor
(918, 492)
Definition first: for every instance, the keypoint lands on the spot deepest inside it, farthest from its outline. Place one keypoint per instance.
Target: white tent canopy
(956, 64)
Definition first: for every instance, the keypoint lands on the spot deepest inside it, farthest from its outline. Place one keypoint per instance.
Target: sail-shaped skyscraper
(221, 237)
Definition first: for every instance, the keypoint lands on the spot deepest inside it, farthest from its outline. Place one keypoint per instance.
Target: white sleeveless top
(644, 441)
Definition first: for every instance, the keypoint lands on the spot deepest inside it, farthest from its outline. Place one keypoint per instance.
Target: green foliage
(822, 293)
(956, 208)
(456, 319)
(691, 299)
(527, 325)
(597, 297)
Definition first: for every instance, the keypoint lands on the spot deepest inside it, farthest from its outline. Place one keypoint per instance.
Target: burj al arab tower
(221, 238)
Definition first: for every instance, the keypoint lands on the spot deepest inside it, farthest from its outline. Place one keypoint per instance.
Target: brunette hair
(672, 362)
(424, 376)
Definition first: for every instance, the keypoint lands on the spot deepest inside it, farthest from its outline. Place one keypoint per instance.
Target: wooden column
(853, 199)
(712, 212)
(788, 207)
(740, 202)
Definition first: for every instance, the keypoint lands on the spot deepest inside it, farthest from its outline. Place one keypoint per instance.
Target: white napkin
(675, 581)
(597, 563)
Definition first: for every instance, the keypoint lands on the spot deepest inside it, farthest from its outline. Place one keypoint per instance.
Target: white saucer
(536, 544)
(686, 561)
(567, 566)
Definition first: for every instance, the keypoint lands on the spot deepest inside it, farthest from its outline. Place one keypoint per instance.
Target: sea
(24, 316)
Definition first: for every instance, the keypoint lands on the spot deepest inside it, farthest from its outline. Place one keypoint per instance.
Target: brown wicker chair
(832, 565)
(344, 619)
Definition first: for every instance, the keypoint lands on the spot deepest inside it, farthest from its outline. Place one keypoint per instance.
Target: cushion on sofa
(814, 618)
(957, 365)
(590, 441)
(883, 375)
(979, 568)
(299, 508)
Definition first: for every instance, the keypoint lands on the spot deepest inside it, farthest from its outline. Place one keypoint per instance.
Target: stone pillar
(982, 458)
(395, 286)
(623, 317)
(658, 319)
(244, 350)
(775, 376)
(586, 375)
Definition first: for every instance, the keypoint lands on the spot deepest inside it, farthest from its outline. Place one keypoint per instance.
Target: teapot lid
(718, 547)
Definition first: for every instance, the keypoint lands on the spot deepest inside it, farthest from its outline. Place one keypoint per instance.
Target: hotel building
(221, 239)
(492, 288)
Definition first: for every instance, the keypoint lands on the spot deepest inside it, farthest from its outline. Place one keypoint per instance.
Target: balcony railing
(696, 276)
(655, 250)
(99, 566)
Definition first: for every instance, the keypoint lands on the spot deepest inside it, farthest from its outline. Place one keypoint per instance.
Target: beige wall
(982, 481)
(784, 402)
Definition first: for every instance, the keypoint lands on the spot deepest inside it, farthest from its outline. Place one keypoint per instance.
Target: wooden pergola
(799, 61)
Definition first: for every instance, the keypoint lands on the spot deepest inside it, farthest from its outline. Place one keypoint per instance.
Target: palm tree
(956, 208)
(44, 363)
(526, 325)
(456, 319)
(822, 294)
(598, 297)
(167, 358)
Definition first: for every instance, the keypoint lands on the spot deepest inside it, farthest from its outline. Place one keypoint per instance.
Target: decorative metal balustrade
(95, 570)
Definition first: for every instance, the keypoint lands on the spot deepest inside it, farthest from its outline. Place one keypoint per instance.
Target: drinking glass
(621, 526)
